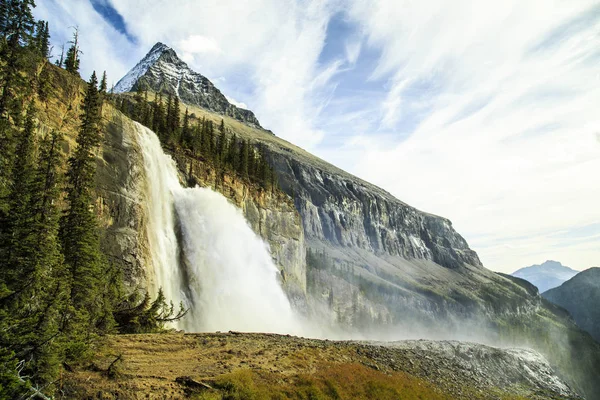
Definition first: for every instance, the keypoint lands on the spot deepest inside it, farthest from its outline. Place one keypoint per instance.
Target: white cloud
(508, 146)
(352, 49)
(199, 45)
(237, 103)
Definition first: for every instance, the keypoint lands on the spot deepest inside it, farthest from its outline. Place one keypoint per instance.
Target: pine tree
(168, 120)
(186, 132)
(41, 43)
(221, 150)
(103, 83)
(72, 58)
(18, 36)
(31, 263)
(158, 116)
(79, 227)
(61, 60)
(232, 156)
(244, 162)
(175, 120)
(16, 240)
(147, 116)
(139, 104)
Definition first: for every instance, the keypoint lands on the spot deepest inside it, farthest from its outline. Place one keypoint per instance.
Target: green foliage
(225, 153)
(79, 228)
(135, 316)
(72, 58)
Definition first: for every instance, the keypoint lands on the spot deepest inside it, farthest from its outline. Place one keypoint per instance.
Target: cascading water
(219, 268)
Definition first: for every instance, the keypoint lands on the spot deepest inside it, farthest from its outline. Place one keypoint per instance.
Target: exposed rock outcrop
(163, 72)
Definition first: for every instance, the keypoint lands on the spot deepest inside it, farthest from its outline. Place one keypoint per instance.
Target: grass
(336, 381)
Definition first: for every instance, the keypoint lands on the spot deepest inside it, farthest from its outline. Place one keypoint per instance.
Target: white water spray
(222, 271)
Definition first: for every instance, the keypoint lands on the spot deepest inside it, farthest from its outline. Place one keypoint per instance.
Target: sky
(486, 113)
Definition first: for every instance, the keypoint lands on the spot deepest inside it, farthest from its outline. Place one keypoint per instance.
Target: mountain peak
(547, 275)
(162, 71)
(159, 46)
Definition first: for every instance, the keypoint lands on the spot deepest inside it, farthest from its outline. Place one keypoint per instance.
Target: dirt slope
(265, 366)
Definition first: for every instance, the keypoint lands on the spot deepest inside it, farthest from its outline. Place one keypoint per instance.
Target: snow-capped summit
(161, 70)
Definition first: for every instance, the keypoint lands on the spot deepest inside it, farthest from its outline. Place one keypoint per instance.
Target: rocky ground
(267, 366)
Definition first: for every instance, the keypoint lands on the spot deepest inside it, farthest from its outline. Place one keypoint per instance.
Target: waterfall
(204, 254)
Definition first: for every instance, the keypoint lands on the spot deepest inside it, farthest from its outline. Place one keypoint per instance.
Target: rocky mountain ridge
(580, 295)
(162, 71)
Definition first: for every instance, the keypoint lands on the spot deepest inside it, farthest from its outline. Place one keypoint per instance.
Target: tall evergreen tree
(233, 156)
(41, 43)
(103, 83)
(186, 131)
(175, 120)
(79, 227)
(18, 36)
(221, 150)
(244, 162)
(72, 58)
(61, 60)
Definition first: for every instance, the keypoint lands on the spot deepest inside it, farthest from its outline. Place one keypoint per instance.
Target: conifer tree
(186, 132)
(232, 156)
(244, 162)
(158, 116)
(72, 58)
(18, 36)
(61, 60)
(42, 39)
(15, 243)
(79, 227)
(168, 120)
(175, 121)
(103, 83)
(221, 150)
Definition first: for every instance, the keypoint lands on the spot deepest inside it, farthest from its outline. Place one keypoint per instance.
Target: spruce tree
(41, 43)
(244, 163)
(221, 151)
(79, 228)
(103, 83)
(31, 260)
(175, 120)
(14, 53)
(72, 58)
(168, 120)
(233, 156)
(186, 132)
(61, 60)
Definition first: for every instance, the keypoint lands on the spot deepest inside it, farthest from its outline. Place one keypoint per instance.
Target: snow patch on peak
(126, 83)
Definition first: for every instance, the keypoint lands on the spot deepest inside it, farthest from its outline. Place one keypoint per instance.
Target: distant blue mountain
(546, 276)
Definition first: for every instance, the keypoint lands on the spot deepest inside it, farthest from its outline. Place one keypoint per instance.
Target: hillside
(580, 296)
(547, 275)
(265, 366)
